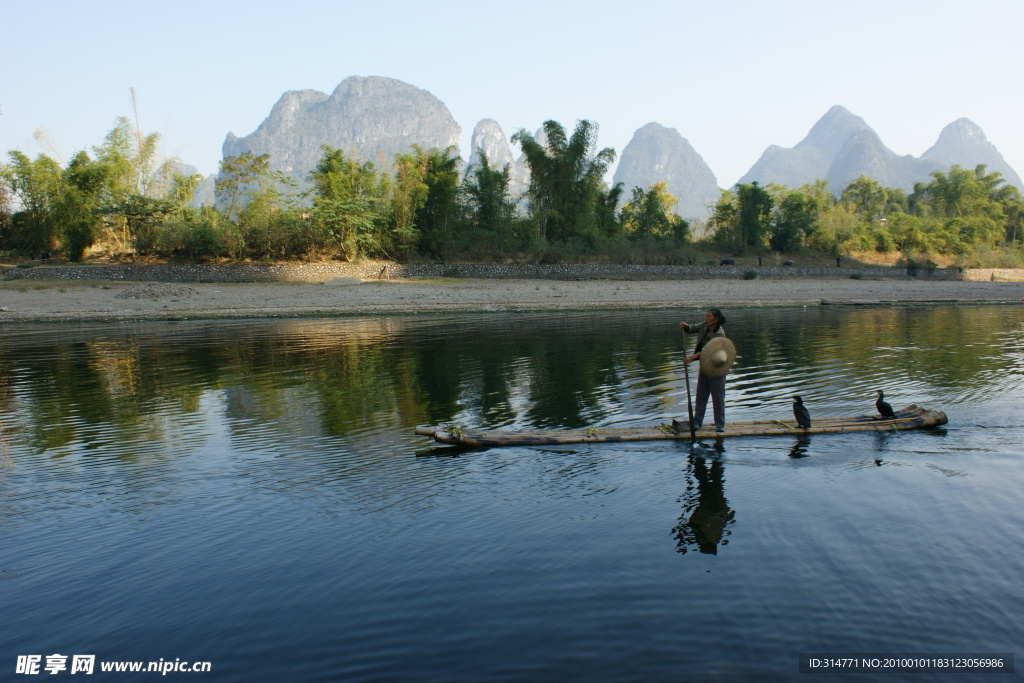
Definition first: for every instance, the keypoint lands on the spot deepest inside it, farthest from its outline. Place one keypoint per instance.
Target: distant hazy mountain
(841, 147)
(160, 183)
(374, 118)
(163, 177)
(371, 118)
(656, 154)
(521, 170)
(813, 156)
(489, 136)
(864, 154)
(206, 194)
(963, 142)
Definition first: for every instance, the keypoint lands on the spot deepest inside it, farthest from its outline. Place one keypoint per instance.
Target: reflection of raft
(910, 417)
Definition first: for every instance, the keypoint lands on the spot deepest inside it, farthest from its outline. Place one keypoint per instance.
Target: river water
(251, 494)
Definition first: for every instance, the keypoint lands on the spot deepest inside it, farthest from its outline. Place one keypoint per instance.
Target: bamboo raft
(911, 417)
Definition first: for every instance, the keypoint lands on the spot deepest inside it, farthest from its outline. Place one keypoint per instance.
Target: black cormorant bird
(803, 418)
(884, 409)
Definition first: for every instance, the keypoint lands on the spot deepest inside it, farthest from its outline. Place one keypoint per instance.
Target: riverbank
(99, 300)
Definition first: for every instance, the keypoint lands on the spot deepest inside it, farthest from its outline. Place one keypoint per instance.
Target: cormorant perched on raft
(803, 418)
(884, 409)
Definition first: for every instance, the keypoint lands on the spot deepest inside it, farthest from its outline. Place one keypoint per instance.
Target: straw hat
(717, 356)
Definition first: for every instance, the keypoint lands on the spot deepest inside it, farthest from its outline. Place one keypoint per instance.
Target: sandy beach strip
(71, 300)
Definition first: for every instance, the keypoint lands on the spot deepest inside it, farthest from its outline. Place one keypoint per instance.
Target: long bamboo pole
(689, 402)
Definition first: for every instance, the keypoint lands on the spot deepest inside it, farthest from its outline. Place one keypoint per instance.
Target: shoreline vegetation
(419, 207)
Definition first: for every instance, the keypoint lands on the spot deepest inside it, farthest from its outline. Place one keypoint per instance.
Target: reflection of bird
(884, 409)
(803, 418)
(799, 449)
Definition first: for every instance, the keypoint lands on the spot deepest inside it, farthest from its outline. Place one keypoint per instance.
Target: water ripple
(214, 474)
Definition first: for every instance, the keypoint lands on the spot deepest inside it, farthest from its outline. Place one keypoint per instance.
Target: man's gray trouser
(714, 387)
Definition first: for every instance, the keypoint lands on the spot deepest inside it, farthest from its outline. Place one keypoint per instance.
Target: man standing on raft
(716, 354)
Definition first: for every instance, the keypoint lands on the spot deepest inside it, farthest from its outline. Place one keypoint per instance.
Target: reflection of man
(709, 513)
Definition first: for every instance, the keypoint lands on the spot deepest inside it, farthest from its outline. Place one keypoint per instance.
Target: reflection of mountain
(704, 524)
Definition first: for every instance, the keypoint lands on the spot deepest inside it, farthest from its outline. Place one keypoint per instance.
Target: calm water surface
(252, 494)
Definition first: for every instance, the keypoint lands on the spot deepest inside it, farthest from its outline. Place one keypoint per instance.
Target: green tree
(35, 185)
(424, 201)
(754, 213)
(956, 193)
(242, 178)
(77, 208)
(130, 158)
(347, 204)
(608, 223)
(5, 213)
(436, 218)
(1013, 207)
(258, 200)
(795, 221)
(963, 210)
(182, 193)
(566, 180)
(140, 216)
(408, 194)
(60, 209)
(487, 198)
(270, 225)
(909, 234)
(867, 198)
(724, 217)
(649, 214)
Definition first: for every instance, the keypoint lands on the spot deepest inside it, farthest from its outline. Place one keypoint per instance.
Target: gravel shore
(41, 300)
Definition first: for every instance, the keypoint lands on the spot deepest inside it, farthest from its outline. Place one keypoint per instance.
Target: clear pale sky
(731, 77)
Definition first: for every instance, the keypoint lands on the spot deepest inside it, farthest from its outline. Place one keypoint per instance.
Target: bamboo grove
(422, 206)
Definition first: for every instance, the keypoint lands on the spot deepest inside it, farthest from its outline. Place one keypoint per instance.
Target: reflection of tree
(345, 376)
(922, 344)
(547, 371)
(69, 384)
(706, 516)
(6, 407)
(564, 391)
(584, 362)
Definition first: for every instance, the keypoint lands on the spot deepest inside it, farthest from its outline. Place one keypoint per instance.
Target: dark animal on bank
(884, 409)
(787, 263)
(727, 262)
(803, 418)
